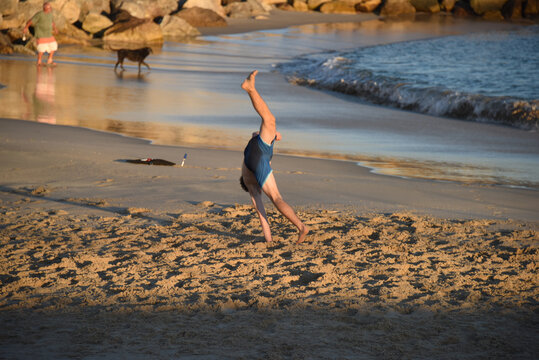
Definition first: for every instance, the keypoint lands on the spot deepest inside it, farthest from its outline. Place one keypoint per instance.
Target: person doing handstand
(257, 175)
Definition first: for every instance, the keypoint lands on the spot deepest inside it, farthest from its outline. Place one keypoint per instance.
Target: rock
(134, 9)
(532, 8)
(238, 10)
(273, 2)
(8, 7)
(247, 9)
(6, 47)
(397, 7)
(70, 9)
(315, 4)
(285, 7)
(300, 5)
(213, 5)
(95, 6)
(175, 26)
(146, 9)
(25, 10)
(368, 5)
(480, 7)
(95, 22)
(512, 9)
(168, 6)
(14, 34)
(431, 6)
(462, 9)
(447, 5)
(142, 33)
(259, 8)
(199, 17)
(10, 21)
(20, 49)
(60, 21)
(224, 3)
(338, 7)
(493, 16)
(73, 35)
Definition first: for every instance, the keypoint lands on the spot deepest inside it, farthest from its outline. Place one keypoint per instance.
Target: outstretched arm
(267, 128)
(28, 24)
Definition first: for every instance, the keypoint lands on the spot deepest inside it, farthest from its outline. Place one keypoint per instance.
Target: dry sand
(102, 259)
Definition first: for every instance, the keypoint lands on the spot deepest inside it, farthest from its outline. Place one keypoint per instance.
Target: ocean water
(487, 77)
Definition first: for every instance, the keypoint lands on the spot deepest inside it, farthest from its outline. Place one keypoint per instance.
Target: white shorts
(47, 47)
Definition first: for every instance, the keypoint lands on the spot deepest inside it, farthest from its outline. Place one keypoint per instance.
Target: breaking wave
(489, 77)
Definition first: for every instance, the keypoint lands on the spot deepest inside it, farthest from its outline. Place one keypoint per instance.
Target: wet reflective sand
(192, 97)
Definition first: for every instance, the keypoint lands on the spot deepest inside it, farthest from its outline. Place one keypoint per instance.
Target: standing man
(257, 175)
(43, 28)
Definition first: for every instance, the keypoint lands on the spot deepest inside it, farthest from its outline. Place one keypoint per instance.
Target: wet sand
(100, 258)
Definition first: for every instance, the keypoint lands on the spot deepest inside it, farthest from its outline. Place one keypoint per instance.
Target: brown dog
(137, 55)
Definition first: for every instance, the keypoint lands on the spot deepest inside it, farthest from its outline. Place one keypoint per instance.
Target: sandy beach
(104, 259)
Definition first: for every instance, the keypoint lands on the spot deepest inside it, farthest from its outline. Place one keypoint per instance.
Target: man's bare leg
(50, 59)
(39, 58)
(271, 190)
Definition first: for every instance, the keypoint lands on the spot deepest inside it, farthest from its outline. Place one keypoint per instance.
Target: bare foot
(53, 64)
(302, 234)
(249, 83)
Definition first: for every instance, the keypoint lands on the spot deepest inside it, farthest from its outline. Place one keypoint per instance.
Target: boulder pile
(140, 22)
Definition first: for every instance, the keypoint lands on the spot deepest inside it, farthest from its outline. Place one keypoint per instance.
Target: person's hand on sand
(249, 83)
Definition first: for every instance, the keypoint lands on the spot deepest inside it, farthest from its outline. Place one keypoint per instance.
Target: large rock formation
(338, 7)
(300, 5)
(8, 7)
(69, 9)
(482, 6)
(175, 26)
(315, 4)
(397, 8)
(213, 5)
(238, 10)
(96, 6)
(532, 8)
(367, 5)
(145, 31)
(146, 9)
(447, 5)
(6, 47)
(431, 6)
(95, 22)
(199, 17)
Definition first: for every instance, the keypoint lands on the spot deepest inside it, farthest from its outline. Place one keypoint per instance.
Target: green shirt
(42, 24)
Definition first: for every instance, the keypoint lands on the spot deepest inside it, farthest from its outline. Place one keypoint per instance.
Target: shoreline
(308, 182)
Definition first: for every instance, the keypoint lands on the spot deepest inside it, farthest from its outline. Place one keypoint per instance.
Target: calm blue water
(490, 77)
